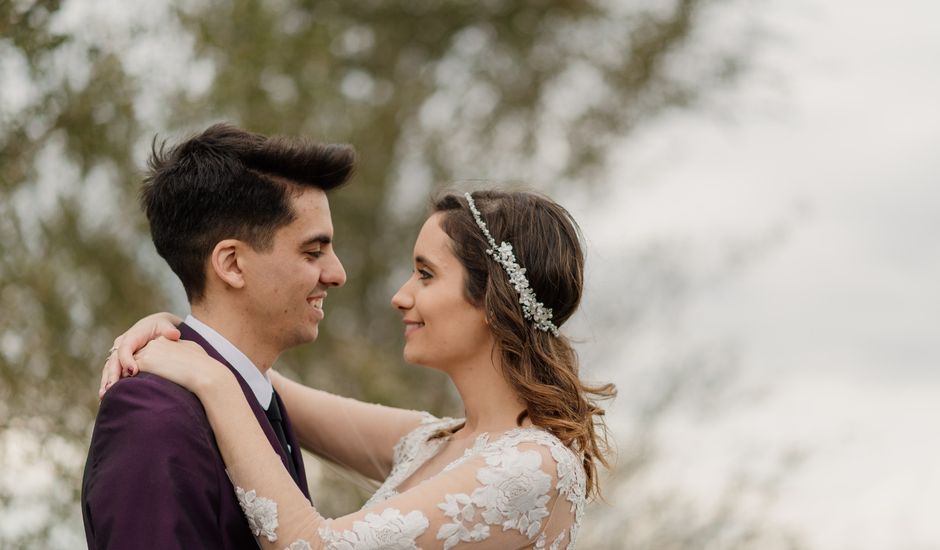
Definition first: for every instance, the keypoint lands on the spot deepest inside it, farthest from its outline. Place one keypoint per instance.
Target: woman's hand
(121, 361)
(182, 362)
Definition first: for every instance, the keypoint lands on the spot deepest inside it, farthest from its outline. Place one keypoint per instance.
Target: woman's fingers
(135, 339)
(110, 374)
(129, 343)
(170, 333)
(143, 353)
(103, 387)
(122, 361)
(182, 362)
(162, 354)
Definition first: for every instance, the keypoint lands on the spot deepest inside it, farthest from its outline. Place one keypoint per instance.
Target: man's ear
(226, 262)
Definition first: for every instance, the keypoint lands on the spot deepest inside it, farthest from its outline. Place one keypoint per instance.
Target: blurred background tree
(430, 93)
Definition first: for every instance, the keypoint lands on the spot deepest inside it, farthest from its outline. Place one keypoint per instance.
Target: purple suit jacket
(154, 477)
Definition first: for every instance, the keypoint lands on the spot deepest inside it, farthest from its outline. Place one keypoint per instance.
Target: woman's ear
(226, 260)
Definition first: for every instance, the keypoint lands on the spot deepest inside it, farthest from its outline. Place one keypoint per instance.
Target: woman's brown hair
(541, 368)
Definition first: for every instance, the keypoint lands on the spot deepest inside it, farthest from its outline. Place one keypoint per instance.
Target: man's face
(287, 284)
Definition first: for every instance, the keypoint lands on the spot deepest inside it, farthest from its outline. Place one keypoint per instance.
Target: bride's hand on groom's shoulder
(121, 362)
(182, 362)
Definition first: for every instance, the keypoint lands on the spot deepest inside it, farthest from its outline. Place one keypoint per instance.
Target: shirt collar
(259, 383)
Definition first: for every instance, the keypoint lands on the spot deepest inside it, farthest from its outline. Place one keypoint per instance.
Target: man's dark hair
(227, 183)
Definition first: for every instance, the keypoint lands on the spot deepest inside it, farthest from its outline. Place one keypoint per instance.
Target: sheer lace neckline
(417, 448)
(522, 488)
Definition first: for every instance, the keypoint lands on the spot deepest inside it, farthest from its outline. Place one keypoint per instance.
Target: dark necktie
(274, 416)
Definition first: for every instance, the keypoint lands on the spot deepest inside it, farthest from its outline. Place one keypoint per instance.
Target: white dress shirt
(259, 383)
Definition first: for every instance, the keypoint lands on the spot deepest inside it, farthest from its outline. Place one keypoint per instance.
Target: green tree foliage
(429, 92)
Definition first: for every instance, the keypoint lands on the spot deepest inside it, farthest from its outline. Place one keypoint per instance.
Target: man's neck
(240, 334)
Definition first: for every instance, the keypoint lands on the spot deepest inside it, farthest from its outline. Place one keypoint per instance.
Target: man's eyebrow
(321, 239)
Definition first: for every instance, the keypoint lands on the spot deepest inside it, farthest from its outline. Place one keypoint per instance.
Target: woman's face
(442, 329)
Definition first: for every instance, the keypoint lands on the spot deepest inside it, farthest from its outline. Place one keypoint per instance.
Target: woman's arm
(249, 458)
(360, 436)
(509, 497)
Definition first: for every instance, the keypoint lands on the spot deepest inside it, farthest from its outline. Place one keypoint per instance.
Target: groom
(244, 222)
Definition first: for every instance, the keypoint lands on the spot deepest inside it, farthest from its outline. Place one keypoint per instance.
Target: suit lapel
(296, 454)
(188, 333)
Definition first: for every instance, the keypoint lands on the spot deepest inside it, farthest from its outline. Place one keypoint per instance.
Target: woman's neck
(490, 403)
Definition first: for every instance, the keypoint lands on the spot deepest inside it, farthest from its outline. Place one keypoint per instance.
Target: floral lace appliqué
(261, 513)
(299, 545)
(568, 469)
(464, 520)
(515, 490)
(556, 544)
(513, 495)
(389, 530)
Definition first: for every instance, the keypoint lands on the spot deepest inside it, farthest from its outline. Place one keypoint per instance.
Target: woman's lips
(411, 326)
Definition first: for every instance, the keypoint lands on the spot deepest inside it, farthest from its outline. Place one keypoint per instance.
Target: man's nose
(333, 274)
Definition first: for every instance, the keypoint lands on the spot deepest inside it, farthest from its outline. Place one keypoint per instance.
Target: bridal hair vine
(532, 309)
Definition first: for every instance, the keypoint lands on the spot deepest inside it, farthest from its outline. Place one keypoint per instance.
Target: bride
(495, 276)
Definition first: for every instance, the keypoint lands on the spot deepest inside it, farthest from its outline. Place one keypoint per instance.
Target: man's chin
(311, 334)
(305, 336)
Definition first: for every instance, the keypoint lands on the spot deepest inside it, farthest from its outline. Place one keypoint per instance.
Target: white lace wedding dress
(519, 489)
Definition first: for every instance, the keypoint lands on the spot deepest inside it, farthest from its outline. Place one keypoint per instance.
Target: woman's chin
(411, 358)
(416, 359)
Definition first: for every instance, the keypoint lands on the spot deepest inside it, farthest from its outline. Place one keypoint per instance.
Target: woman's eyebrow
(419, 259)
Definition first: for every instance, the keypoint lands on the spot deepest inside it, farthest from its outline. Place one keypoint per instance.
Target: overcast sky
(832, 161)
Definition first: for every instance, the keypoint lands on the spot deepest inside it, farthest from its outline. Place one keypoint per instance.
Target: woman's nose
(402, 299)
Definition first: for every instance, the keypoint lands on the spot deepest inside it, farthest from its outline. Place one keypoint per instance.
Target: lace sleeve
(357, 435)
(525, 495)
(526, 491)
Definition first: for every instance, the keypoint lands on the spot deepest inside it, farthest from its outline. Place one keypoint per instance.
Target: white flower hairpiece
(532, 309)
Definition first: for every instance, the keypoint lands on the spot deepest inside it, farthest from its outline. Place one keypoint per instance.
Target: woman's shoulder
(418, 436)
(431, 424)
(516, 477)
(535, 437)
(557, 459)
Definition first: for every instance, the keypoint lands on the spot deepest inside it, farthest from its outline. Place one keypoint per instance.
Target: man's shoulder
(147, 386)
(152, 397)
